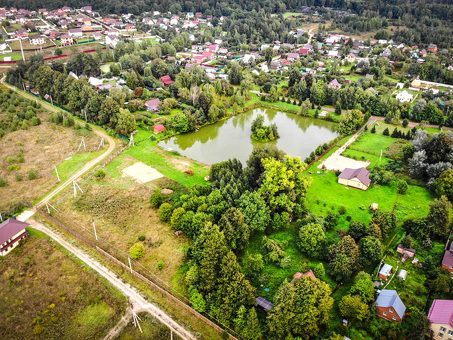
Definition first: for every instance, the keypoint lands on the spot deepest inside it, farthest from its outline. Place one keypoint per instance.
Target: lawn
(373, 143)
(291, 14)
(169, 164)
(46, 294)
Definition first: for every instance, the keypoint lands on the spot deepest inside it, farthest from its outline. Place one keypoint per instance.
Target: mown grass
(371, 142)
(148, 153)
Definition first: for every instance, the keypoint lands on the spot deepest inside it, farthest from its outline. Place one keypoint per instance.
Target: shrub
(165, 212)
(32, 175)
(160, 265)
(401, 185)
(99, 174)
(405, 123)
(10, 160)
(342, 210)
(18, 177)
(21, 159)
(386, 132)
(13, 167)
(3, 183)
(348, 218)
(137, 251)
(156, 199)
(141, 238)
(35, 121)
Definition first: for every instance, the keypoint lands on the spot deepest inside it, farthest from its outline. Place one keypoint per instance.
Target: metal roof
(390, 298)
(264, 303)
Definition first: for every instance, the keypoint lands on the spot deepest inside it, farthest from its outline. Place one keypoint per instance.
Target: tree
(421, 329)
(370, 250)
(402, 186)
(167, 105)
(159, 68)
(439, 217)
(236, 231)
(197, 300)
(137, 251)
(273, 95)
(352, 307)
(385, 220)
(254, 173)
(232, 290)
(350, 121)
(294, 77)
(256, 213)
(108, 112)
(268, 55)
(235, 74)
(126, 121)
(357, 230)
(407, 241)
(344, 257)
(300, 308)
(252, 329)
(363, 286)
(438, 149)
(443, 185)
(312, 239)
(58, 51)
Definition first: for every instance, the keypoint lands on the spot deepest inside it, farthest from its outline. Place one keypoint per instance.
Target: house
(66, 39)
(166, 81)
(247, 58)
(416, 83)
(299, 275)
(432, 48)
(447, 261)
(37, 40)
(335, 84)
(303, 51)
(207, 55)
(406, 252)
(293, 56)
(21, 34)
(404, 97)
(385, 271)
(86, 9)
(333, 54)
(12, 232)
(158, 128)
(389, 305)
(75, 32)
(441, 317)
(153, 104)
(351, 57)
(97, 36)
(112, 40)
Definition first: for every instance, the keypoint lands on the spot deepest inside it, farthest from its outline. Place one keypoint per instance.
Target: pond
(231, 138)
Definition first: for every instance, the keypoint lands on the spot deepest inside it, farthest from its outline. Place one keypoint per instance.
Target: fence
(121, 259)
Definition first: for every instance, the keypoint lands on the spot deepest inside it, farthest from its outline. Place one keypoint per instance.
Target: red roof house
(153, 104)
(12, 232)
(335, 84)
(299, 275)
(207, 54)
(158, 128)
(441, 317)
(356, 178)
(166, 80)
(303, 51)
(447, 261)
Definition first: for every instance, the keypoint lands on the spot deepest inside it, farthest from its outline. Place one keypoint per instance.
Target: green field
(167, 163)
(291, 14)
(75, 163)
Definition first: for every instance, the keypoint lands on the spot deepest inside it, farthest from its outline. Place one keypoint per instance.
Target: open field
(120, 208)
(43, 148)
(46, 294)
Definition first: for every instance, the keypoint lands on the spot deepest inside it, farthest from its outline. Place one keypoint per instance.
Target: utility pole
(95, 234)
(84, 146)
(130, 265)
(76, 186)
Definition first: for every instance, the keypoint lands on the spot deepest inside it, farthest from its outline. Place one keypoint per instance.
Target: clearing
(142, 172)
(47, 294)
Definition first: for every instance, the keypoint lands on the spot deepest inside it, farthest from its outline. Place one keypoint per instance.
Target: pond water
(231, 138)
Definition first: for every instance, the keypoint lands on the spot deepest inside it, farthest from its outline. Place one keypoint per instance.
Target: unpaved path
(139, 304)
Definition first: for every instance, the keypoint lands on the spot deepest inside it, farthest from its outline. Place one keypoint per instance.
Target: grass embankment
(47, 294)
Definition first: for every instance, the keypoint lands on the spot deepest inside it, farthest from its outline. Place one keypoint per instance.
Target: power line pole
(76, 186)
(58, 176)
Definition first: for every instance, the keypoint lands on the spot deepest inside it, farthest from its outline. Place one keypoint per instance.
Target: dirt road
(139, 304)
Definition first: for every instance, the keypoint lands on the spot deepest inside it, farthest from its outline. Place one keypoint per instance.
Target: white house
(404, 97)
(112, 40)
(37, 39)
(75, 32)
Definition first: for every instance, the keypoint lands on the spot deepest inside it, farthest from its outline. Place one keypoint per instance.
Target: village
(365, 123)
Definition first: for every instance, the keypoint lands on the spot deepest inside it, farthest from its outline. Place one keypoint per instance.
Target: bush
(32, 175)
(35, 121)
(99, 174)
(165, 212)
(10, 160)
(405, 123)
(342, 210)
(18, 177)
(21, 159)
(156, 199)
(160, 265)
(13, 167)
(401, 185)
(348, 218)
(141, 238)
(386, 132)
(3, 183)
(137, 251)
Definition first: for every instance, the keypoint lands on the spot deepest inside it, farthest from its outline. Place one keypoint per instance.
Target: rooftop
(390, 298)
(441, 312)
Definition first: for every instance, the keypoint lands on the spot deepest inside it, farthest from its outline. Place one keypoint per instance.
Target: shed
(402, 274)
(260, 301)
(158, 128)
(385, 271)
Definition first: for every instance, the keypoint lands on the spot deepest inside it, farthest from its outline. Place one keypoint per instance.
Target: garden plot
(142, 172)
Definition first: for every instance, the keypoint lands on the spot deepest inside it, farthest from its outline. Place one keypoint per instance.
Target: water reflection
(231, 138)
